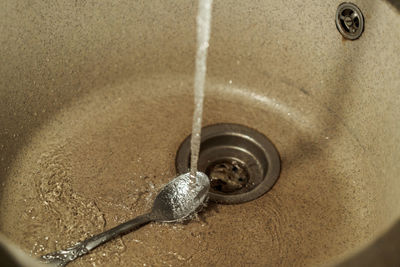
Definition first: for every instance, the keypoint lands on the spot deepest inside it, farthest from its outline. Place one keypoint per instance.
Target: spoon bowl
(181, 197)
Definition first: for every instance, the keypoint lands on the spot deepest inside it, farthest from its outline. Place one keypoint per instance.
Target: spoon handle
(63, 257)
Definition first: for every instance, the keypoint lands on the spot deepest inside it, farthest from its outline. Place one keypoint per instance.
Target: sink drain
(242, 164)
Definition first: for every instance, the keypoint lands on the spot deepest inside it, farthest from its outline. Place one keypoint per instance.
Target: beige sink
(97, 97)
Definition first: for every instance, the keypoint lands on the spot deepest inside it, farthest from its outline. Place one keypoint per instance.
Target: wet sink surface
(96, 98)
(102, 160)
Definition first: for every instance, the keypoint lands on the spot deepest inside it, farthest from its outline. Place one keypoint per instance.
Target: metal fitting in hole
(349, 21)
(242, 164)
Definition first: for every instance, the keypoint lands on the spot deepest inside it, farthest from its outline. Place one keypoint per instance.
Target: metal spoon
(176, 201)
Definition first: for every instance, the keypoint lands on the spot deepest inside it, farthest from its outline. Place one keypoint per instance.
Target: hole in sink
(227, 176)
(242, 164)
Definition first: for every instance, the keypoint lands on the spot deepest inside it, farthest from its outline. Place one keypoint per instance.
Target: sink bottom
(101, 161)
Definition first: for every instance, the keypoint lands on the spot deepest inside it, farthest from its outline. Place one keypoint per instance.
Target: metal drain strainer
(242, 164)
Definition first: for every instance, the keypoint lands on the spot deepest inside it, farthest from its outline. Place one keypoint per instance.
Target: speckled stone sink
(97, 97)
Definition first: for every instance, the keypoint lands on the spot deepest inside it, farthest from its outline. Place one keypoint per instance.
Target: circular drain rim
(351, 24)
(268, 152)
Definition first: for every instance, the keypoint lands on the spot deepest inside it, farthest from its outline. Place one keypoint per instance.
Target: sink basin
(97, 97)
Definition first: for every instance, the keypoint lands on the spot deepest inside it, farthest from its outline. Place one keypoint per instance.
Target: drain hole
(242, 164)
(227, 176)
